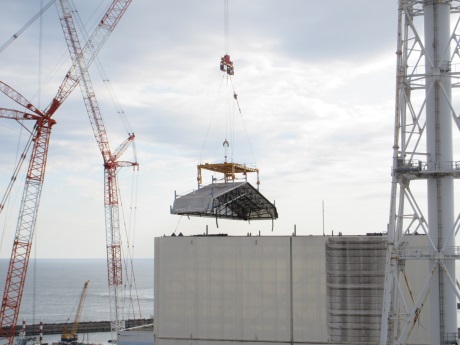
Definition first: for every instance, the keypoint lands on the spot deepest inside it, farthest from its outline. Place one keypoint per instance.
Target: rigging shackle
(225, 145)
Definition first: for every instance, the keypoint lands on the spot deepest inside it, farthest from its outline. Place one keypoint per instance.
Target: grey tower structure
(423, 172)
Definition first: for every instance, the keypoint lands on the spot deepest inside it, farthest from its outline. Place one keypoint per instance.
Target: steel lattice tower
(424, 170)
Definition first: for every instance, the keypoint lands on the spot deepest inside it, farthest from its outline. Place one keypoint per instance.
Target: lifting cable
(22, 157)
(132, 277)
(35, 238)
(227, 119)
(106, 81)
(230, 120)
(131, 227)
(18, 164)
(132, 220)
(212, 117)
(118, 108)
(103, 74)
(235, 96)
(226, 27)
(229, 109)
(64, 56)
(177, 225)
(17, 34)
(13, 179)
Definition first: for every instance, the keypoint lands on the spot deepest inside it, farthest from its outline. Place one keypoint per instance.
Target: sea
(53, 288)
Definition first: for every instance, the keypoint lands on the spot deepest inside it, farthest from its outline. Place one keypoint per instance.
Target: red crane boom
(111, 204)
(17, 269)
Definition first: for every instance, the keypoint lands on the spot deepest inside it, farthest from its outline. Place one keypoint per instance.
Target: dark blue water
(53, 288)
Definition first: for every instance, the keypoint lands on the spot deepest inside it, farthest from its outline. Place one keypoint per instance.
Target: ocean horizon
(53, 288)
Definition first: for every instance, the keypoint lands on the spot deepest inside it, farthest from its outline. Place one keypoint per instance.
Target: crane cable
(17, 34)
(104, 76)
(212, 117)
(235, 96)
(24, 28)
(119, 109)
(230, 109)
(132, 277)
(23, 156)
(105, 79)
(213, 113)
(130, 228)
(18, 164)
(229, 77)
(228, 106)
(37, 232)
(226, 28)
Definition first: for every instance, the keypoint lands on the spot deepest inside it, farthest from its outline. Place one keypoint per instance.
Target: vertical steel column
(439, 158)
(427, 56)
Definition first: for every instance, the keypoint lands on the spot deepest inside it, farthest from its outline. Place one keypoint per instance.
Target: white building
(273, 290)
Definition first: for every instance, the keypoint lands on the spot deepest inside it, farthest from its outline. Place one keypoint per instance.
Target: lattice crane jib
(423, 174)
(111, 202)
(16, 274)
(15, 278)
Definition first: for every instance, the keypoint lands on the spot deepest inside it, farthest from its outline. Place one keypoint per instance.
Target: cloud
(315, 83)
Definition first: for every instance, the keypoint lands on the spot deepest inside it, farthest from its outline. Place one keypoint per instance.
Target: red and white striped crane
(17, 269)
(111, 165)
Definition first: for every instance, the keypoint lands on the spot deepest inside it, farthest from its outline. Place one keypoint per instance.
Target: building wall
(216, 288)
(355, 271)
(269, 290)
(136, 336)
(309, 289)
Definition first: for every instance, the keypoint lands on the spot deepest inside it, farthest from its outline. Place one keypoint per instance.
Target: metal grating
(239, 200)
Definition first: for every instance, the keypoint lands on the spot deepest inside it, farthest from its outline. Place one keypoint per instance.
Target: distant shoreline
(83, 327)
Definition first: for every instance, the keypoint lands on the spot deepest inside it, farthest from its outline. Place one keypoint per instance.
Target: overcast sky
(315, 82)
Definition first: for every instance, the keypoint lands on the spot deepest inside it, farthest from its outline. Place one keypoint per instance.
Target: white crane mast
(428, 51)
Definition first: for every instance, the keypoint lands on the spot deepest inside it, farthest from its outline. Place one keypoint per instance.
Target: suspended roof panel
(239, 200)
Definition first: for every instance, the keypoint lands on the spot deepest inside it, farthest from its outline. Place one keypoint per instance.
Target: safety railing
(452, 252)
(415, 165)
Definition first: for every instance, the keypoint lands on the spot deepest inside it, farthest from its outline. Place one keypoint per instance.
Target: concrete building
(274, 290)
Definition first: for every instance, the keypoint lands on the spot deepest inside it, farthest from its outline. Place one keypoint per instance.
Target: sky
(316, 88)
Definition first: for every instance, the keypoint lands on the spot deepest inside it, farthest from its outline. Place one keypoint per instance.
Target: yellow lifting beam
(230, 171)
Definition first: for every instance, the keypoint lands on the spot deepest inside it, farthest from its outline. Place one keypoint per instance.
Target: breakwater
(83, 327)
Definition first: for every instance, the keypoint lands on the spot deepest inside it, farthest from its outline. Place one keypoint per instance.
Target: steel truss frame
(419, 77)
(17, 269)
(111, 162)
(243, 202)
(239, 200)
